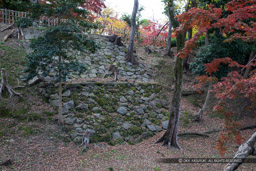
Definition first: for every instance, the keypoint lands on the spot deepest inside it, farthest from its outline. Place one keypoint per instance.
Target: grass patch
(193, 99)
(28, 130)
(186, 118)
(13, 61)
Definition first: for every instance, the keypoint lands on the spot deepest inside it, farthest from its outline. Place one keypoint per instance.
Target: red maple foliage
(239, 24)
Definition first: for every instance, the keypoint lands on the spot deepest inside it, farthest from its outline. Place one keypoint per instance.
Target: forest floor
(37, 143)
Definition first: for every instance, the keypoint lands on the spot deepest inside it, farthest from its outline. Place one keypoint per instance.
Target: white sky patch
(153, 9)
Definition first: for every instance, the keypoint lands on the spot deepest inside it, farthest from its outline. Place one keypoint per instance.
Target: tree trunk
(60, 95)
(185, 63)
(251, 58)
(155, 38)
(5, 86)
(207, 39)
(130, 57)
(244, 151)
(170, 137)
(199, 115)
(169, 44)
(190, 34)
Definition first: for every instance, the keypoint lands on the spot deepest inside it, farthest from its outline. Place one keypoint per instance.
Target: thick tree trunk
(170, 137)
(243, 152)
(130, 57)
(60, 95)
(199, 115)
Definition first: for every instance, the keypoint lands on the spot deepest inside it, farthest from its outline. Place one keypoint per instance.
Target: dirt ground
(48, 149)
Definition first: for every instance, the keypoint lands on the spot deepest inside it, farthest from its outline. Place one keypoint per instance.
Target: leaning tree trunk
(199, 115)
(130, 57)
(5, 86)
(170, 137)
(60, 95)
(243, 152)
(251, 58)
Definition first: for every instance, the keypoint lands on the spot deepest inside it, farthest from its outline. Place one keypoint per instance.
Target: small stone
(126, 125)
(94, 71)
(146, 99)
(145, 135)
(92, 75)
(116, 135)
(146, 122)
(91, 101)
(82, 107)
(151, 127)
(70, 121)
(55, 103)
(85, 94)
(165, 124)
(65, 111)
(123, 99)
(91, 131)
(33, 81)
(96, 109)
(131, 93)
(97, 115)
(102, 67)
(158, 128)
(79, 130)
(79, 121)
(164, 102)
(152, 96)
(67, 93)
(122, 110)
(70, 104)
(54, 97)
(139, 111)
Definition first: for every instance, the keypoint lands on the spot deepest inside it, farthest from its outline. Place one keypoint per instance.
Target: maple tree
(110, 24)
(151, 34)
(238, 24)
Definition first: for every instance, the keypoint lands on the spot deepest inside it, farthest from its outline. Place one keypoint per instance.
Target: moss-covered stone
(135, 130)
(159, 106)
(133, 89)
(147, 95)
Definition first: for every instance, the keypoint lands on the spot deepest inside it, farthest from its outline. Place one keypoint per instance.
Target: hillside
(132, 110)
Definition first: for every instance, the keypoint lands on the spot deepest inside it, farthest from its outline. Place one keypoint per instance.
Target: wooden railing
(10, 16)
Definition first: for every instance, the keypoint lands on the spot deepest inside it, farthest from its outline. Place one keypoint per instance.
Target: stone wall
(113, 112)
(110, 54)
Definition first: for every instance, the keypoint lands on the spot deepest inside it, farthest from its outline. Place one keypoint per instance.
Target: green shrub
(24, 22)
(236, 50)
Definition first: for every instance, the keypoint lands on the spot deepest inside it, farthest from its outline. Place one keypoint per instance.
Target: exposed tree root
(204, 134)
(4, 85)
(192, 134)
